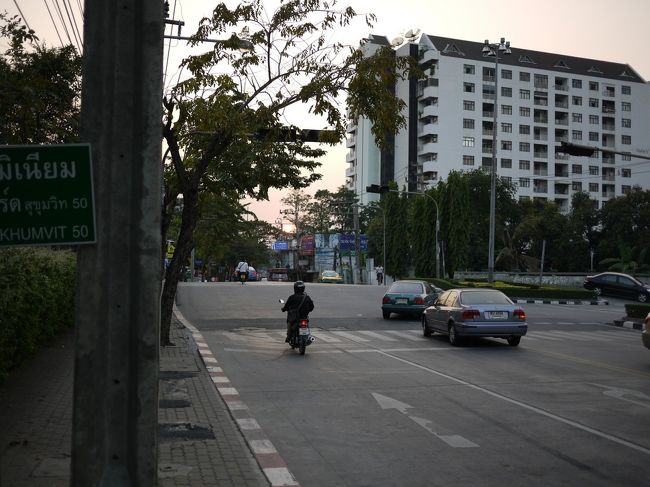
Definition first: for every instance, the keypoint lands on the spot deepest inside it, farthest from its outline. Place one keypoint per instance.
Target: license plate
(496, 315)
(304, 331)
(401, 301)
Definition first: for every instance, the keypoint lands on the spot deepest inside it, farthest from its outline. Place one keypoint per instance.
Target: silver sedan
(475, 312)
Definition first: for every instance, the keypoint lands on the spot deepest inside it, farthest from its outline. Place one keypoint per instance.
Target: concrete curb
(273, 466)
(635, 325)
(599, 302)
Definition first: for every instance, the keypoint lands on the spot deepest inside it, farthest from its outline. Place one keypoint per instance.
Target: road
(374, 403)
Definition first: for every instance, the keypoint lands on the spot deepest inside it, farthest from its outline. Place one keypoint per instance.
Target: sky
(605, 30)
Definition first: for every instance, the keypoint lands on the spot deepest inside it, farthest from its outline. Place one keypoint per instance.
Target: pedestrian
(242, 271)
(379, 270)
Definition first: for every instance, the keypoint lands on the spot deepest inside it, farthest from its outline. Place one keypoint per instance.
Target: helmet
(299, 287)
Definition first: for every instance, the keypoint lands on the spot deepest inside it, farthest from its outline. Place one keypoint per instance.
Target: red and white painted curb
(274, 467)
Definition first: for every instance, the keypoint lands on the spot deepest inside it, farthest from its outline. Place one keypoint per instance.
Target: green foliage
(398, 250)
(36, 301)
(455, 221)
(639, 311)
(423, 230)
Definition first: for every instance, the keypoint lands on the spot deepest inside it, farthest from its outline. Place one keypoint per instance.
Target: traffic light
(376, 188)
(577, 150)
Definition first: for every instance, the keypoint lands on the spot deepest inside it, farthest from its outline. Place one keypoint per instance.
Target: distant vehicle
(618, 285)
(278, 274)
(408, 297)
(474, 312)
(330, 276)
(645, 334)
(252, 273)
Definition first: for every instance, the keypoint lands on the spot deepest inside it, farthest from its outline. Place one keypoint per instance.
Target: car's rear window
(483, 297)
(329, 274)
(406, 287)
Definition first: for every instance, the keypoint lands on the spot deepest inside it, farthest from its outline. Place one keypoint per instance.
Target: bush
(37, 288)
(637, 310)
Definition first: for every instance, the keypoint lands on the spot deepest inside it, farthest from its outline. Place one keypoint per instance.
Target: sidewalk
(199, 443)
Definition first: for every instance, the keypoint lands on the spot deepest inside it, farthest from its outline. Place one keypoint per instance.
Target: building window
(524, 182)
(576, 169)
(626, 107)
(524, 94)
(524, 76)
(594, 119)
(506, 74)
(593, 187)
(541, 81)
(576, 83)
(593, 136)
(506, 109)
(506, 163)
(593, 86)
(468, 105)
(468, 141)
(625, 189)
(524, 129)
(506, 179)
(626, 173)
(506, 127)
(468, 160)
(576, 186)
(506, 145)
(524, 165)
(506, 91)
(626, 90)
(626, 156)
(626, 139)
(576, 134)
(468, 123)
(469, 69)
(524, 147)
(468, 87)
(576, 117)
(626, 122)
(577, 100)
(593, 170)
(524, 112)
(593, 102)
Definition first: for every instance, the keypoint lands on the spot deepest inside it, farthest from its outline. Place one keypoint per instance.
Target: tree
(40, 89)
(455, 221)
(223, 125)
(398, 248)
(423, 230)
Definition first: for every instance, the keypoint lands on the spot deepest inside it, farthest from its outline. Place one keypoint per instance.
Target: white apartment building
(543, 99)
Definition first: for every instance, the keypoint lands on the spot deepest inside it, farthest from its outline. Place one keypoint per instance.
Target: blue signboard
(281, 245)
(346, 242)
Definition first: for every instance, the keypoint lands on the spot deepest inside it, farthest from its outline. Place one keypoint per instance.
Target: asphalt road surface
(374, 403)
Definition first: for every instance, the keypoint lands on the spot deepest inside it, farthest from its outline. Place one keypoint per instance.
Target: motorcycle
(301, 336)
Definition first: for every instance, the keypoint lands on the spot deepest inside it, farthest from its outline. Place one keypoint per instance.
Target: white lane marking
(523, 405)
(430, 349)
(401, 334)
(378, 336)
(571, 336)
(542, 334)
(350, 336)
(326, 337)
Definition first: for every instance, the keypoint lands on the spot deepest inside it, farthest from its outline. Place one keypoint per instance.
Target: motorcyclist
(242, 270)
(298, 307)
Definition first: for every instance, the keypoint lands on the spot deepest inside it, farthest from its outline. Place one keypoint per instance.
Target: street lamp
(493, 50)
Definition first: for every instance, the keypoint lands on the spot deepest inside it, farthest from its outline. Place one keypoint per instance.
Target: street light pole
(493, 50)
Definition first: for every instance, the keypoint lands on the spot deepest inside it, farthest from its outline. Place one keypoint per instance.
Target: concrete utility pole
(357, 279)
(115, 416)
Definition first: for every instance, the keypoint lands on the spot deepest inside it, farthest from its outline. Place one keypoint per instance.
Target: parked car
(278, 274)
(618, 285)
(475, 312)
(645, 334)
(330, 276)
(252, 273)
(408, 297)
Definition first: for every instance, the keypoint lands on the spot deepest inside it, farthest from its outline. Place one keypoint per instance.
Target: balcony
(561, 104)
(540, 172)
(608, 194)
(609, 127)
(429, 148)
(350, 156)
(351, 142)
(608, 177)
(488, 114)
(349, 172)
(541, 119)
(564, 87)
(561, 121)
(540, 189)
(562, 189)
(541, 155)
(609, 110)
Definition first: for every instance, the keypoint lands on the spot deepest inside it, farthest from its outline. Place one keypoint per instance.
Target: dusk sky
(598, 29)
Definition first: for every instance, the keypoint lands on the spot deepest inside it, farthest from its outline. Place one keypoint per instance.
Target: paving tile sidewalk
(199, 443)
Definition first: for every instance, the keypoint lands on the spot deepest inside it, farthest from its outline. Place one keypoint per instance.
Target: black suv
(619, 285)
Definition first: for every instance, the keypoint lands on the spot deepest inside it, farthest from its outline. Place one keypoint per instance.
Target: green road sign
(46, 195)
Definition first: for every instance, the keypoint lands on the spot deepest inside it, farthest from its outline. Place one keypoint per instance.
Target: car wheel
(642, 297)
(385, 314)
(426, 331)
(514, 341)
(454, 339)
(598, 291)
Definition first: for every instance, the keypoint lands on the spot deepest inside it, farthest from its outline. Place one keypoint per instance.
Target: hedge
(637, 310)
(37, 287)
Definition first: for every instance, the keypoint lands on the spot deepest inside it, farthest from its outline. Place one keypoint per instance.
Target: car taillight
(470, 314)
(520, 313)
(386, 300)
(419, 300)
(303, 323)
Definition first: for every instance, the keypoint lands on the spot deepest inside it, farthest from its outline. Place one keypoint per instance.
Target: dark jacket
(294, 303)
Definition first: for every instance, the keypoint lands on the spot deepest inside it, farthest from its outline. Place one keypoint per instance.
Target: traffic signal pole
(115, 411)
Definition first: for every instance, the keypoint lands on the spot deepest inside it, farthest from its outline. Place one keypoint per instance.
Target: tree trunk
(183, 250)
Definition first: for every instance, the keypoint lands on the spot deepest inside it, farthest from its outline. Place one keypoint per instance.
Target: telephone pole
(115, 412)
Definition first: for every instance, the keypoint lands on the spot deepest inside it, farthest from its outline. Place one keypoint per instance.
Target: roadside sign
(46, 195)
